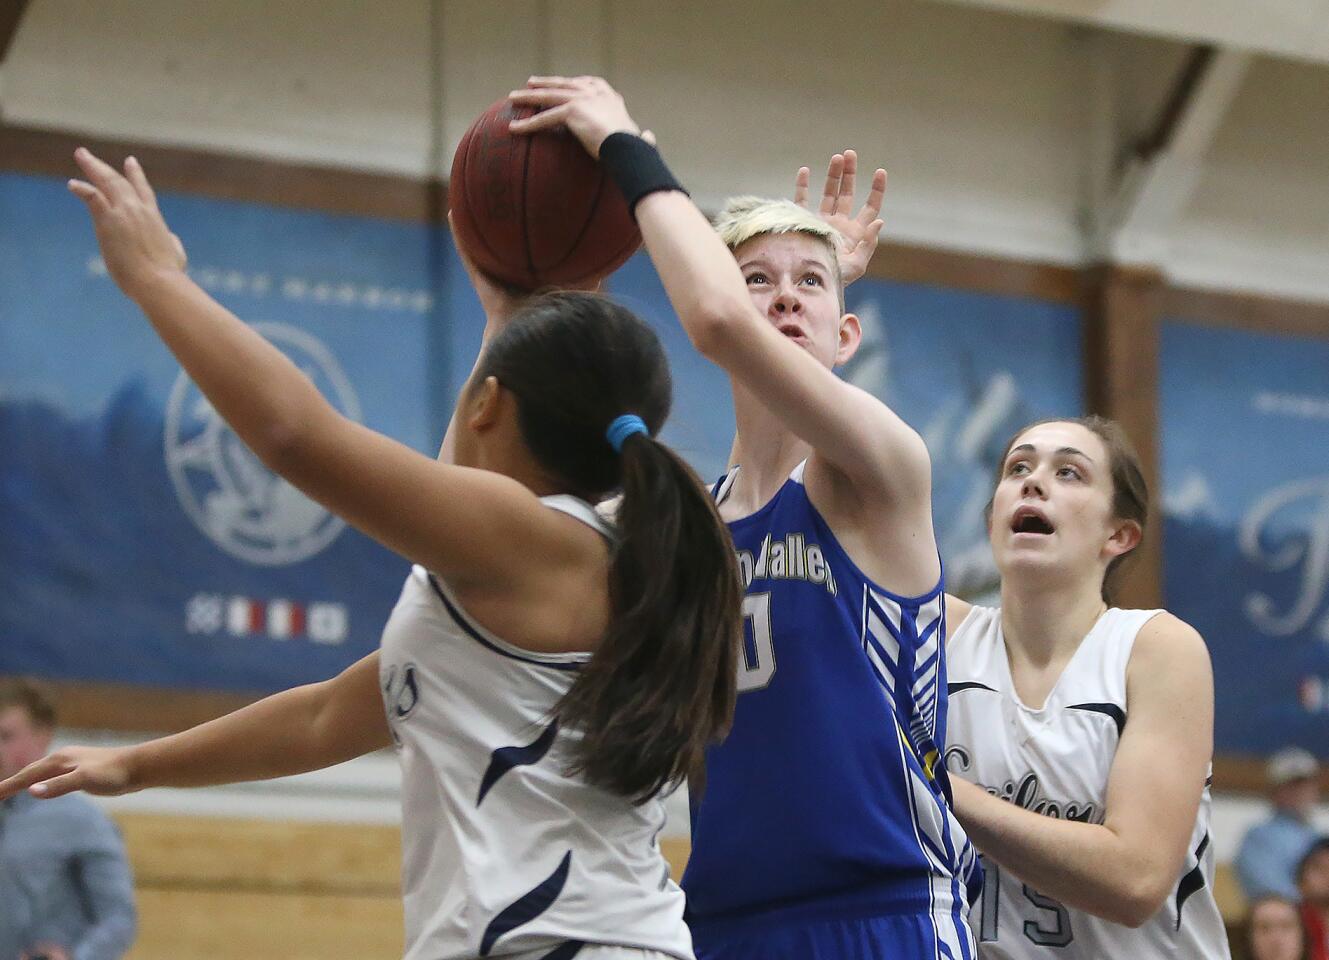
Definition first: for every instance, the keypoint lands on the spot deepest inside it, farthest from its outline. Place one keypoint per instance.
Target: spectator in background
(1313, 885)
(1273, 930)
(1270, 851)
(66, 892)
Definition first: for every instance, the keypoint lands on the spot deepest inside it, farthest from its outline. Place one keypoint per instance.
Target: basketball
(536, 210)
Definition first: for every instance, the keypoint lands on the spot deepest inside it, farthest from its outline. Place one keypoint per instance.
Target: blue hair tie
(623, 427)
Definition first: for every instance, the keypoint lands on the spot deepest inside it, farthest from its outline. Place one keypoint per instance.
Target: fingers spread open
(544, 97)
(544, 120)
(139, 181)
(89, 195)
(33, 773)
(548, 82)
(872, 205)
(834, 170)
(104, 177)
(58, 786)
(802, 180)
(844, 201)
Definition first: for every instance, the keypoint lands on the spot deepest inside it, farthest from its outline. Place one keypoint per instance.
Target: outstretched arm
(882, 457)
(1122, 869)
(461, 523)
(295, 731)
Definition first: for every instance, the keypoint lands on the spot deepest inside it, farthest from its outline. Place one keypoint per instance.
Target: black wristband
(636, 167)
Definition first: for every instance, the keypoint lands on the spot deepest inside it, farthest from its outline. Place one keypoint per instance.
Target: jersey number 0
(758, 663)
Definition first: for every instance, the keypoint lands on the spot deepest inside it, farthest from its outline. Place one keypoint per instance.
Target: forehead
(785, 248)
(1047, 437)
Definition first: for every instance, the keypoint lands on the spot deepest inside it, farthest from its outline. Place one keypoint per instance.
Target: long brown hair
(1130, 493)
(661, 685)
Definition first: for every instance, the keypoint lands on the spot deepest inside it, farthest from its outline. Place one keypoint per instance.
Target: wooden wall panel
(1121, 382)
(982, 274)
(1245, 311)
(232, 177)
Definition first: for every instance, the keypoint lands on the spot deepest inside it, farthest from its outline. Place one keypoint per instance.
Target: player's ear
(851, 335)
(1126, 536)
(483, 403)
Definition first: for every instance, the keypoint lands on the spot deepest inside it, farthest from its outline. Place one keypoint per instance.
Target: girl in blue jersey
(822, 829)
(547, 678)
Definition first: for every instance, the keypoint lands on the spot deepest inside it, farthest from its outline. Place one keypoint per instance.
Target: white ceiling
(1003, 122)
(1297, 29)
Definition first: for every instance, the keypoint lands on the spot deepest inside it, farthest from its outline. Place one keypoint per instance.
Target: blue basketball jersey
(827, 800)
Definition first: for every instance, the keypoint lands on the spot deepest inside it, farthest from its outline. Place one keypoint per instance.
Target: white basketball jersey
(503, 853)
(1055, 761)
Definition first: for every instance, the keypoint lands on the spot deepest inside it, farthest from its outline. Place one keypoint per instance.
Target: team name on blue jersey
(789, 558)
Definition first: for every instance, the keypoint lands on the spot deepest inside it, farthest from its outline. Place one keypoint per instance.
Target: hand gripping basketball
(530, 207)
(588, 106)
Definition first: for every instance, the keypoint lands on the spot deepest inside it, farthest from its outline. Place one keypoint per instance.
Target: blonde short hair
(746, 218)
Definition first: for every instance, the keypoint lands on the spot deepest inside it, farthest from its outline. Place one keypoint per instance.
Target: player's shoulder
(1164, 634)
(1167, 646)
(964, 617)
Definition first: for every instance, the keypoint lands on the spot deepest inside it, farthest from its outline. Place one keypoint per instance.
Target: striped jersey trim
(567, 661)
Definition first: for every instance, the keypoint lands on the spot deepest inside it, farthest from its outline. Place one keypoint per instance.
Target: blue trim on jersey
(474, 633)
(528, 906)
(828, 801)
(506, 759)
(565, 951)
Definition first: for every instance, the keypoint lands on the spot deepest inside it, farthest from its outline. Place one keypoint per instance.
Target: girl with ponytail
(545, 676)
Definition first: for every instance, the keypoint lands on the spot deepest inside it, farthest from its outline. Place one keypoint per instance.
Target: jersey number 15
(1049, 927)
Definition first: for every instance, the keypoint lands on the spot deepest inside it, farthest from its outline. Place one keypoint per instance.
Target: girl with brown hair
(1080, 734)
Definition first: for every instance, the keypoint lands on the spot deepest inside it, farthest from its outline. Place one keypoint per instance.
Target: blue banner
(141, 543)
(966, 370)
(1244, 425)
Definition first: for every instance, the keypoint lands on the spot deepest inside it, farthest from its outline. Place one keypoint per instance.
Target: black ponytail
(661, 686)
(662, 683)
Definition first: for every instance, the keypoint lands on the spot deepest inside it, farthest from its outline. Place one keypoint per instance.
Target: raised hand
(136, 244)
(859, 232)
(588, 106)
(103, 771)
